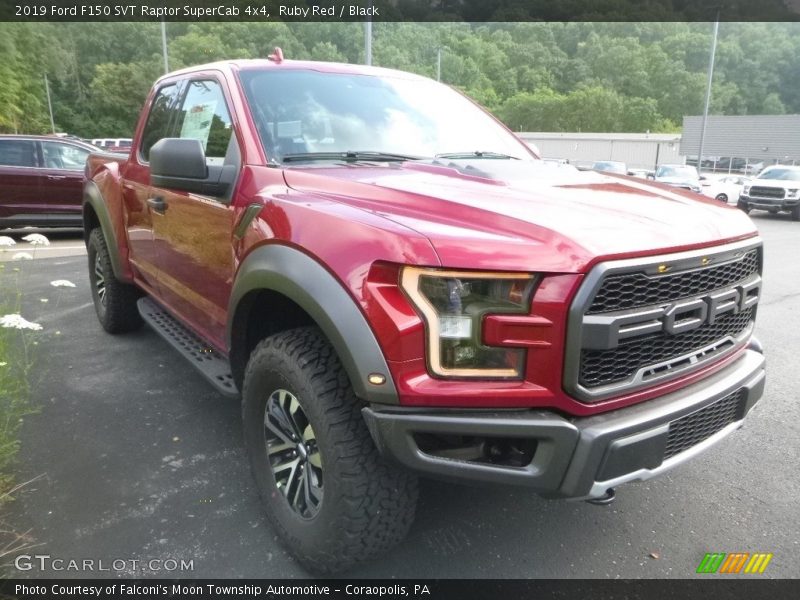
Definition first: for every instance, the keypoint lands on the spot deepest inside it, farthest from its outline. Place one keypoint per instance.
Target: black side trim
(92, 197)
(210, 363)
(304, 281)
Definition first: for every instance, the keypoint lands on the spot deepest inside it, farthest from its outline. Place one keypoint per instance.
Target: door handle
(157, 204)
(56, 177)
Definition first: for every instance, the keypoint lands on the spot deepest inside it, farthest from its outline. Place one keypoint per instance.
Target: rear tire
(743, 207)
(330, 496)
(114, 301)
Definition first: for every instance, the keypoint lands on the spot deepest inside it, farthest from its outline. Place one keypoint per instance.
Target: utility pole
(49, 103)
(708, 93)
(164, 45)
(368, 36)
(368, 42)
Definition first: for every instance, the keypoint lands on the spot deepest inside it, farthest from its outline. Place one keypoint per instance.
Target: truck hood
(521, 215)
(774, 183)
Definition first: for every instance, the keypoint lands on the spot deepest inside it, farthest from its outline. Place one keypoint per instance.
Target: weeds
(16, 365)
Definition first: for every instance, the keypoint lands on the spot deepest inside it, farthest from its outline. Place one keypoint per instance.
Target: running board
(211, 364)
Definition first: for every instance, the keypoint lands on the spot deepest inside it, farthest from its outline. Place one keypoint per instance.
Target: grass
(16, 368)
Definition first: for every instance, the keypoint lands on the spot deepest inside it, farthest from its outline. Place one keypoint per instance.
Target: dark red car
(41, 180)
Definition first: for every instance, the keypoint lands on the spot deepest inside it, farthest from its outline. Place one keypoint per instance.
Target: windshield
(778, 173)
(611, 167)
(677, 171)
(299, 112)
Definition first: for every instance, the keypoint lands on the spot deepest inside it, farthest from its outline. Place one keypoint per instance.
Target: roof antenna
(276, 56)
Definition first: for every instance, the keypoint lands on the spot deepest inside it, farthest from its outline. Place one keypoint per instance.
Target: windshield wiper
(475, 154)
(349, 156)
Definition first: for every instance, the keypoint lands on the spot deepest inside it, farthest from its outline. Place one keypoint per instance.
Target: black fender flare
(306, 282)
(94, 198)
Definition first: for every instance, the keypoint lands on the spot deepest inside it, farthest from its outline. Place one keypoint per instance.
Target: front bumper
(581, 458)
(769, 203)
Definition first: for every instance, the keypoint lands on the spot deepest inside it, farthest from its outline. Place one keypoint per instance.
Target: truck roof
(308, 65)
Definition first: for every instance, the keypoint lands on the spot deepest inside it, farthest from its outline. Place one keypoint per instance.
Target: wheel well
(261, 313)
(90, 221)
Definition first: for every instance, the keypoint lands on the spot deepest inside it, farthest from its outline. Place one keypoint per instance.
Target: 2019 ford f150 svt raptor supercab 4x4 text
(397, 286)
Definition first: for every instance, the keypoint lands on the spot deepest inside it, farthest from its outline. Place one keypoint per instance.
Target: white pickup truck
(776, 189)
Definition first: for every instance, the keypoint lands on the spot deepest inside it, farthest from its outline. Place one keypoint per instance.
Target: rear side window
(64, 156)
(17, 153)
(160, 118)
(204, 116)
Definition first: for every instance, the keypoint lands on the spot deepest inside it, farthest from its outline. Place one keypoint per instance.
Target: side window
(159, 119)
(64, 156)
(205, 117)
(17, 153)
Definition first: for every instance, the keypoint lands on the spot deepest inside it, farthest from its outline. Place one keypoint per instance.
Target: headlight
(791, 193)
(453, 304)
(746, 190)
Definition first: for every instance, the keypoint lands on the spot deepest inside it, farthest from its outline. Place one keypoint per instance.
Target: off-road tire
(743, 207)
(118, 312)
(367, 504)
(796, 213)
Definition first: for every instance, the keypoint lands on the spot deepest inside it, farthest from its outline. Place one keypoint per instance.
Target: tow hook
(605, 499)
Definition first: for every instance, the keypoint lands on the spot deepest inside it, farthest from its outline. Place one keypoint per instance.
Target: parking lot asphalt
(137, 458)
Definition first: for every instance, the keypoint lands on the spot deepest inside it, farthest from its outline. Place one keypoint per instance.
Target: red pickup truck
(396, 286)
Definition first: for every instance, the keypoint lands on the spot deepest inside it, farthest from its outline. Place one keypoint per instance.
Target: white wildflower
(3, 364)
(7, 241)
(22, 256)
(62, 283)
(43, 300)
(36, 239)
(16, 321)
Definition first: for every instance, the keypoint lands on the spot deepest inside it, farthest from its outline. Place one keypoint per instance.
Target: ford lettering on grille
(604, 332)
(639, 322)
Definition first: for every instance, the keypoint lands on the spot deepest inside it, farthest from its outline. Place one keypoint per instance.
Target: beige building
(637, 150)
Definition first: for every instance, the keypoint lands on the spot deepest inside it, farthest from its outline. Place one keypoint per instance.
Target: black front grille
(767, 192)
(632, 290)
(604, 367)
(700, 425)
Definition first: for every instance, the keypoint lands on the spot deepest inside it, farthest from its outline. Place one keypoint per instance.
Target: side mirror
(180, 164)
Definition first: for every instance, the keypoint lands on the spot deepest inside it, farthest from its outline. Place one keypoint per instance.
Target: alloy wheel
(293, 453)
(99, 280)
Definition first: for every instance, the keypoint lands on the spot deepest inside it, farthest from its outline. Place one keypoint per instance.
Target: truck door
(136, 187)
(193, 232)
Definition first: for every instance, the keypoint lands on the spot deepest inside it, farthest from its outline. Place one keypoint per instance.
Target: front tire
(330, 496)
(722, 198)
(114, 301)
(743, 207)
(796, 213)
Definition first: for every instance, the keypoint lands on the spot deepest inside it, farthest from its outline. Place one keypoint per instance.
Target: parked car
(776, 189)
(725, 189)
(394, 294)
(611, 166)
(642, 173)
(682, 176)
(115, 145)
(41, 180)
